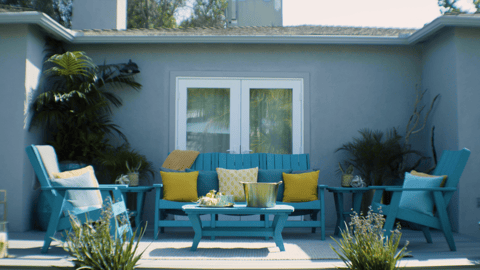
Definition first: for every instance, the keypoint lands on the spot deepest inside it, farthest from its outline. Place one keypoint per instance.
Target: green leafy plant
(364, 247)
(120, 160)
(75, 108)
(376, 155)
(94, 248)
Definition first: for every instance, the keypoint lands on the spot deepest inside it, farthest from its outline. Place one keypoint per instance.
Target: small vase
(133, 177)
(347, 180)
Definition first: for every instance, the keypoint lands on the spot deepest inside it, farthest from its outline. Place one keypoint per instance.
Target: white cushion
(49, 158)
(80, 198)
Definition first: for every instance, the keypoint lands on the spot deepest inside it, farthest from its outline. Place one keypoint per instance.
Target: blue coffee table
(280, 212)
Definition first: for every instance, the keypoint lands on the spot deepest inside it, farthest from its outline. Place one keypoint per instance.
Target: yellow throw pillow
(77, 172)
(428, 175)
(300, 187)
(180, 187)
(229, 181)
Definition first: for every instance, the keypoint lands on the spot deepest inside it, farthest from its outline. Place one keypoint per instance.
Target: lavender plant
(364, 247)
(94, 248)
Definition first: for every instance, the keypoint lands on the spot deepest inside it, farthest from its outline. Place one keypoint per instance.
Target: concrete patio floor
(25, 254)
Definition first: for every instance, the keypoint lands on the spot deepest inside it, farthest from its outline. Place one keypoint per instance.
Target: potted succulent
(133, 173)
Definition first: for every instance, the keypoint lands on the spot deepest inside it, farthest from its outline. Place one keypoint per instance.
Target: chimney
(99, 14)
(254, 13)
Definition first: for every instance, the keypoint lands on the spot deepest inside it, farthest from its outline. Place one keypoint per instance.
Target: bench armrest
(80, 188)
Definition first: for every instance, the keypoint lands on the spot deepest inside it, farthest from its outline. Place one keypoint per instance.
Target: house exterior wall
(349, 88)
(450, 63)
(468, 64)
(439, 76)
(21, 60)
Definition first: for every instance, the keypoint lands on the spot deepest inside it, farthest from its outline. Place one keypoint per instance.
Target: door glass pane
(271, 121)
(208, 119)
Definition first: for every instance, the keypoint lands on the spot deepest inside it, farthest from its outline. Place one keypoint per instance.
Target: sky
(364, 13)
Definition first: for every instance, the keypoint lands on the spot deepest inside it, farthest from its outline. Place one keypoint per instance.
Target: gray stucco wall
(468, 64)
(349, 88)
(450, 63)
(21, 60)
(440, 77)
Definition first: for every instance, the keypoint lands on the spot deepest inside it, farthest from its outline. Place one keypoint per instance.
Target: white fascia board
(244, 39)
(439, 23)
(40, 19)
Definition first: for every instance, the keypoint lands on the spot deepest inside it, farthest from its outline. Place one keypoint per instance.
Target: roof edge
(365, 40)
(62, 33)
(38, 18)
(444, 21)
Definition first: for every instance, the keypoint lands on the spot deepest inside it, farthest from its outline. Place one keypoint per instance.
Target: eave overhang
(57, 31)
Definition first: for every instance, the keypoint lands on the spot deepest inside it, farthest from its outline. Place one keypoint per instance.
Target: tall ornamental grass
(94, 248)
(364, 247)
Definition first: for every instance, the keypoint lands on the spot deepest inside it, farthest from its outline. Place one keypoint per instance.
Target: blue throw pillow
(206, 181)
(273, 176)
(420, 201)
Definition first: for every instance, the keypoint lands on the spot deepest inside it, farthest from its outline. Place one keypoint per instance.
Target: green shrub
(94, 248)
(364, 246)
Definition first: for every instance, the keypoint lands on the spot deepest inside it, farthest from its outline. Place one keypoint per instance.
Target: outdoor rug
(298, 246)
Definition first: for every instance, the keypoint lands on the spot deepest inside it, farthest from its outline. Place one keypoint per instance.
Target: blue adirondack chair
(451, 164)
(57, 198)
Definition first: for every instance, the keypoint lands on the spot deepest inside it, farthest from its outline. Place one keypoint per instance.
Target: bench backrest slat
(211, 161)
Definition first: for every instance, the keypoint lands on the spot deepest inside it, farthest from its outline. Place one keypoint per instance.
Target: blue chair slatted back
(451, 163)
(211, 161)
(41, 172)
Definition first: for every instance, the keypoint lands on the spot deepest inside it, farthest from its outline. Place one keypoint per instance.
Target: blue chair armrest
(80, 188)
(400, 189)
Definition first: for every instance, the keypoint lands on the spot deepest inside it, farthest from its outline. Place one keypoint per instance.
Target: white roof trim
(245, 39)
(38, 18)
(60, 32)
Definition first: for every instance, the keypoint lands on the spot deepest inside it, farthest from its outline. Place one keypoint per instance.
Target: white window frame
(239, 91)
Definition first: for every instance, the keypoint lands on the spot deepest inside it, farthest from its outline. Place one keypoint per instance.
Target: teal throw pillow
(273, 176)
(206, 181)
(420, 201)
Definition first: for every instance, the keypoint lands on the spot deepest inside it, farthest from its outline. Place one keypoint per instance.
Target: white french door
(239, 115)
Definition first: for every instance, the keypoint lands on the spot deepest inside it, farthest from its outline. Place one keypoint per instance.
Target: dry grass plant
(364, 246)
(94, 248)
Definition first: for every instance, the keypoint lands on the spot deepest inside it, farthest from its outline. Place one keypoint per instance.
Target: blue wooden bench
(211, 161)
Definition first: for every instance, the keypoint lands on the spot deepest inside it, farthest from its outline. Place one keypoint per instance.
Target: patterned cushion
(80, 198)
(229, 181)
(49, 158)
(180, 187)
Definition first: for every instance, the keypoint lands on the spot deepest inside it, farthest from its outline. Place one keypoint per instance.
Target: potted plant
(123, 160)
(75, 109)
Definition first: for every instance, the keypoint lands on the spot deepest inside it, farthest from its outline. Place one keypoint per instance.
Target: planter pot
(133, 177)
(347, 180)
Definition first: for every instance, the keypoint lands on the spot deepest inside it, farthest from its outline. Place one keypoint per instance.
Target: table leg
(197, 227)
(212, 224)
(140, 201)
(357, 201)
(338, 197)
(278, 224)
